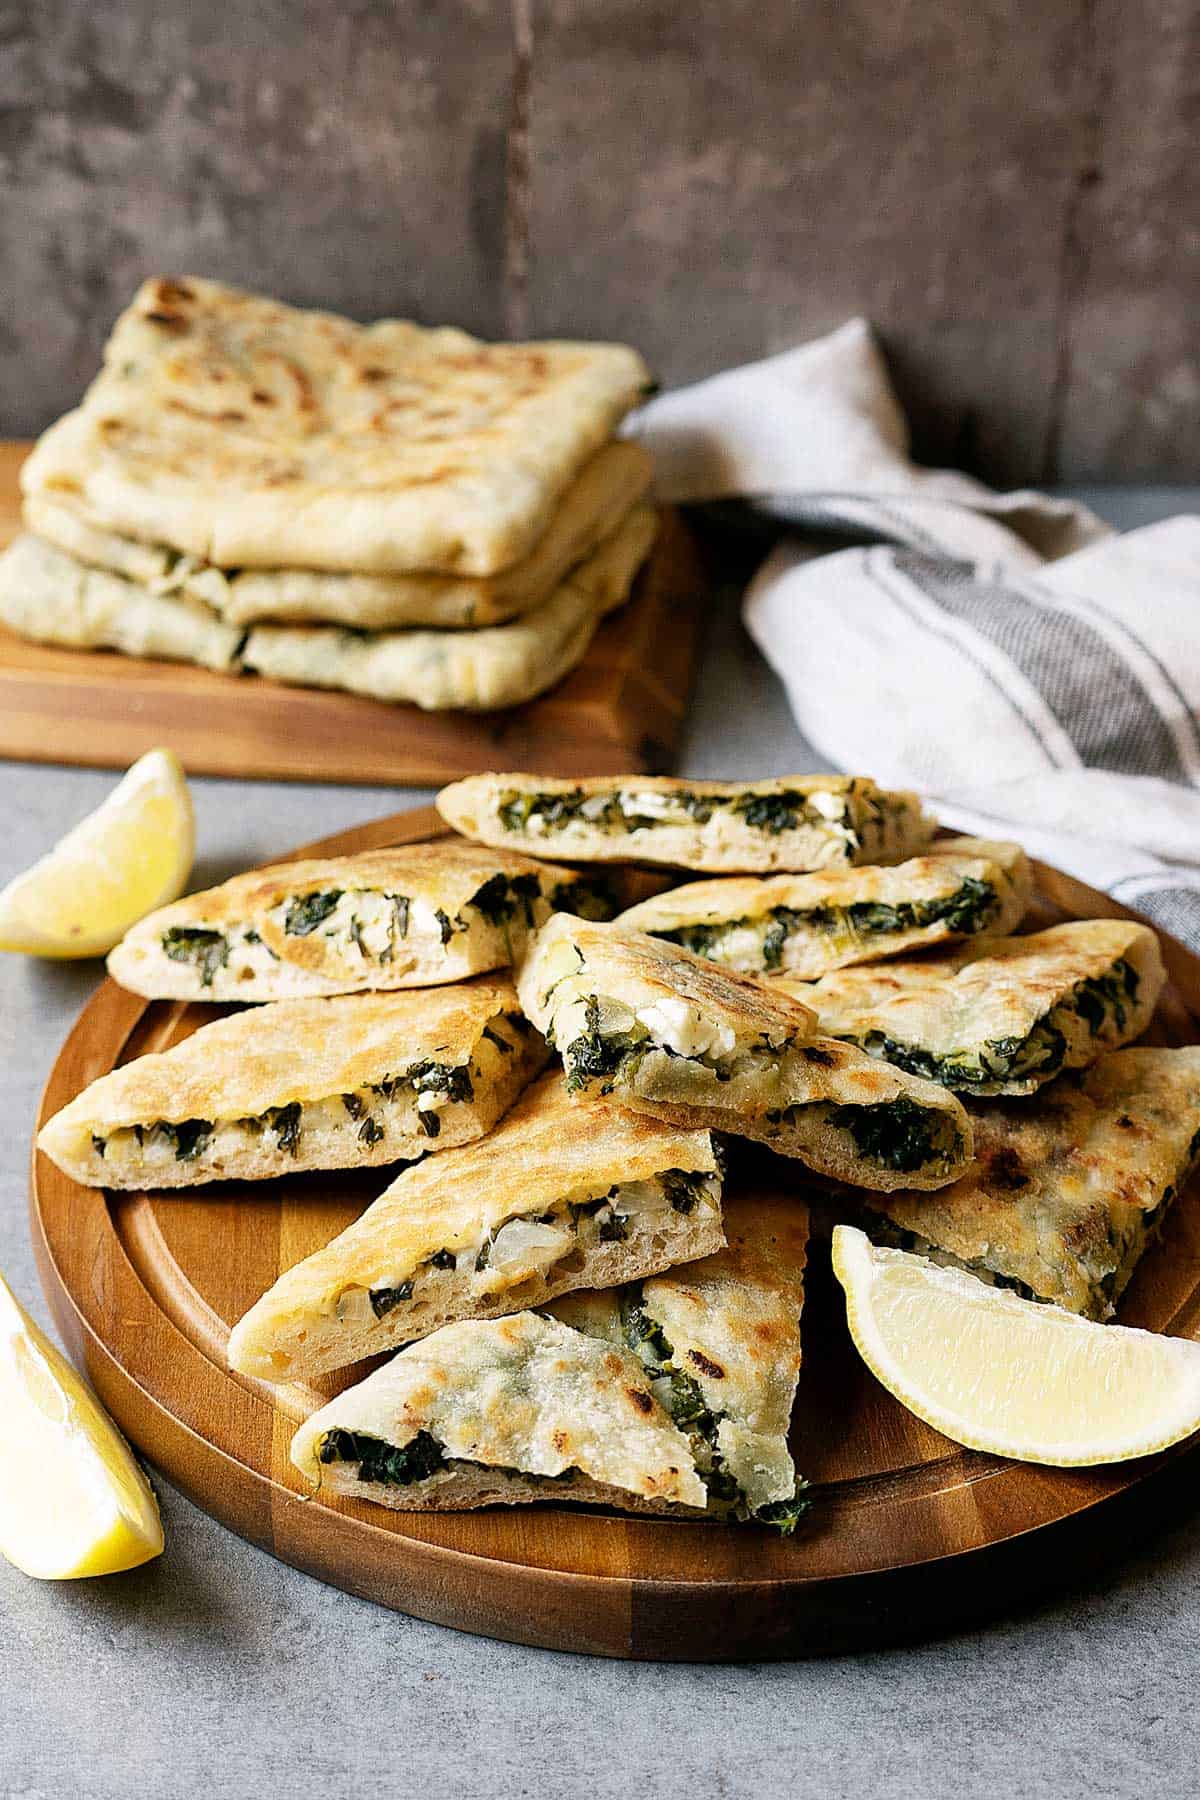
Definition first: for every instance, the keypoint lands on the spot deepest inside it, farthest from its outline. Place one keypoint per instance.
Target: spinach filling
(771, 813)
(1040, 1052)
(284, 1121)
(966, 911)
(504, 896)
(593, 1057)
(690, 1411)
(307, 911)
(198, 944)
(189, 1139)
(394, 1465)
(899, 1134)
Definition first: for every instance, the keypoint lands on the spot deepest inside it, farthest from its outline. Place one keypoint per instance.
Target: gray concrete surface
(220, 1673)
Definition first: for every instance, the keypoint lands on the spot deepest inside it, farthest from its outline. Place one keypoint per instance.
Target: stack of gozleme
(400, 512)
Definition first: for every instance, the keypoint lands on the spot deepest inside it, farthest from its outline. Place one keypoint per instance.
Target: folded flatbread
(48, 596)
(802, 925)
(591, 510)
(501, 1414)
(720, 1342)
(303, 1084)
(499, 665)
(555, 1198)
(793, 822)
(1000, 1015)
(1070, 1187)
(678, 1037)
(251, 434)
(415, 916)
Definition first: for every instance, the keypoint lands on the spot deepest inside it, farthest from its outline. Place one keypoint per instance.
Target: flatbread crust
(359, 1068)
(789, 823)
(468, 910)
(252, 434)
(964, 1016)
(1069, 1187)
(544, 1155)
(524, 1409)
(685, 1041)
(732, 1323)
(600, 498)
(478, 671)
(51, 598)
(803, 925)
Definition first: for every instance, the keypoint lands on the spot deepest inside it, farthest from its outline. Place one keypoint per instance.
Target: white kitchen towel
(1007, 655)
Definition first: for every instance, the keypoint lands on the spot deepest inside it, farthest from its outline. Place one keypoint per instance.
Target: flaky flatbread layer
(678, 1037)
(507, 1412)
(251, 434)
(551, 1200)
(303, 1084)
(789, 823)
(1000, 1015)
(479, 671)
(416, 916)
(51, 598)
(803, 925)
(720, 1340)
(1069, 1187)
(594, 506)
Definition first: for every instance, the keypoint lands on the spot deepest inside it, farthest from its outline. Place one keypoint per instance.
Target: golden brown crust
(254, 1063)
(804, 821)
(441, 877)
(524, 1396)
(593, 507)
(958, 1005)
(543, 1153)
(1067, 1183)
(252, 434)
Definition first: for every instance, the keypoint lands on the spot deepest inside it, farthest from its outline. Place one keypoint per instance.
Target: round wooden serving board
(908, 1531)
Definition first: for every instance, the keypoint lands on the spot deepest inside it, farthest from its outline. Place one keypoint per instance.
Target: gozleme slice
(678, 1037)
(789, 822)
(1069, 1187)
(803, 925)
(720, 1342)
(502, 1413)
(552, 1200)
(1000, 1015)
(415, 916)
(303, 1084)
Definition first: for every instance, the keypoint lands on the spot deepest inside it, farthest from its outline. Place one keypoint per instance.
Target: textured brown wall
(1008, 189)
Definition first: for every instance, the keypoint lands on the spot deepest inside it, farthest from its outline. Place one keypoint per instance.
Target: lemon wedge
(72, 1499)
(132, 854)
(1011, 1376)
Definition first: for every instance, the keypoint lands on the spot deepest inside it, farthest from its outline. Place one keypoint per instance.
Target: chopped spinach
(307, 911)
(593, 1057)
(284, 1121)
(198, 944)
(682, 1189)
(354, 1105)
(443, 1259)
(390, 1464)
(190, 1138)
(899, 1134)
(441, 1078)
(614, 1230)
(385, 1298)
(370, 1132)
(99, 1145)
(429, 1122)
(504, 896)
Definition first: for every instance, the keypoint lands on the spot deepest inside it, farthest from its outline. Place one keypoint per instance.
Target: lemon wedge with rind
(133, 854)
(73, 1501)
(1011, 1376)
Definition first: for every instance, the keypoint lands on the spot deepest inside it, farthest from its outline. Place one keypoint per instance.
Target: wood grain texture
(621, 709)
(909, 1532)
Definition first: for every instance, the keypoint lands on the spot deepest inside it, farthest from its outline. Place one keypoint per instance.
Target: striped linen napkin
(1030, 671)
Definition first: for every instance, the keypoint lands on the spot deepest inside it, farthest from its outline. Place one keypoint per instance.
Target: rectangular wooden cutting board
(620, 710)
